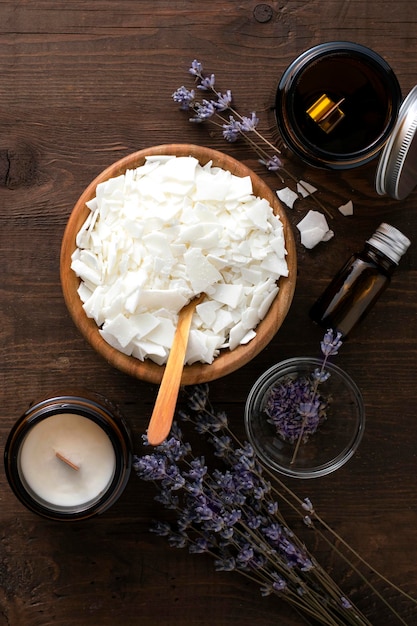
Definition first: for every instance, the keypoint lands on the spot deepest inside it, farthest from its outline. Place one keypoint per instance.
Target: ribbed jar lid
(396, 175)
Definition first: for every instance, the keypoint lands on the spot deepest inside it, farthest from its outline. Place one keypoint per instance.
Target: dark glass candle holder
(69, 456)
(337, 104)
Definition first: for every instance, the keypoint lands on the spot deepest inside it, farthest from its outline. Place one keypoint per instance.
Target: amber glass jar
(337, 104)
(69, 456)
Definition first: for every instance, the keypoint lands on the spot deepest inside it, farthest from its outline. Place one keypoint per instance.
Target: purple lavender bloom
(216, 524)
(177, 540)
(288, 403)
(273, 164)
(222, 445)
(203, 111)
(173, 478)
(202, 509)
(245, 555)
(224, 100)
(246, 452)
(184, 97)
(225, 564)
(273, 532)
(195, 483)
(272, 507)
(254, 521)
(198, 397)
(232, 130)
(279, 583)
(233, 517)
(199, 546)
(196, 68)
(195, 488)
(227, 533)
(198, 469)
(249, 123)
(173, 449)
(231, 513)
(168, 499)
(308, 506)
(345, 603)
(219, 421)
(207, 83)
(310, 413)
(150, 467)
(331, 343)
(320, 375)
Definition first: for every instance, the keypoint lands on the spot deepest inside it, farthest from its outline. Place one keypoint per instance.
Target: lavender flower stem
(339, 539)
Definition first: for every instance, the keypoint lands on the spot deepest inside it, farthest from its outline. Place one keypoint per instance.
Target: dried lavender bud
(295, 409)
(294, 405)
(184, 97)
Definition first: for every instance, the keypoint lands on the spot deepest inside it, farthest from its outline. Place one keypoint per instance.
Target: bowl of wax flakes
(156, 229)
(304, 416)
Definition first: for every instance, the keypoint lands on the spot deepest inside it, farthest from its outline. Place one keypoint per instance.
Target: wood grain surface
(84, 84)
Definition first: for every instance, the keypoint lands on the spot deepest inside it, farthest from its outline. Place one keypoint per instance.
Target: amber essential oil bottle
(360, 282)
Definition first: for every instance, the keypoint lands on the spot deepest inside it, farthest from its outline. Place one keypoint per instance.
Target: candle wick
(64, 459)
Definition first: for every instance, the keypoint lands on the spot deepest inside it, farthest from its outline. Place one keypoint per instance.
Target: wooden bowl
(227, 361)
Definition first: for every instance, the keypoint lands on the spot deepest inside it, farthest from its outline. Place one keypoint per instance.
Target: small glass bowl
(335, 440)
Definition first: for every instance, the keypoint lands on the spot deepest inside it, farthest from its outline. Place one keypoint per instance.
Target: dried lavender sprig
(292, 411)
(294, 588)
(329, 345)
(232, 512)
(205, 412)
(232, 128)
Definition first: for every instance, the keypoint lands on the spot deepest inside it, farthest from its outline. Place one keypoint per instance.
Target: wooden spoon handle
(166, 400)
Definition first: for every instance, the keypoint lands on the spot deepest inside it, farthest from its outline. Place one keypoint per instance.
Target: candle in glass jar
(67, 460)
(69, 456)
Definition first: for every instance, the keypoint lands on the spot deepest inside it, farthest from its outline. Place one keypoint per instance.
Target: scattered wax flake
(311, 237)
(346, 209)
(287, 196)
(329, 235)
(305, 189)
(314, 229)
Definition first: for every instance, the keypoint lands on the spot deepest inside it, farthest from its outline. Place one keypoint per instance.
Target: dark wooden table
(82, 85)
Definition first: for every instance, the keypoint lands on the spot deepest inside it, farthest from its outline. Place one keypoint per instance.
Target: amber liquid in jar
(362, 97)
(365, 103)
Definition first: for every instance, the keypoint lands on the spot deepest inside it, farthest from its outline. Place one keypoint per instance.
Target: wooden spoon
(166, 400)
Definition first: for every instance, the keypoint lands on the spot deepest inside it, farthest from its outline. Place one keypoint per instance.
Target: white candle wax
(79, 440)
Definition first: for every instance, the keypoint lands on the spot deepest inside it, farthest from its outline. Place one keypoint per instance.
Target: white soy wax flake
(305, 189)
(346, 209)
(314, 229)
(162, 233)
(287, 196)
